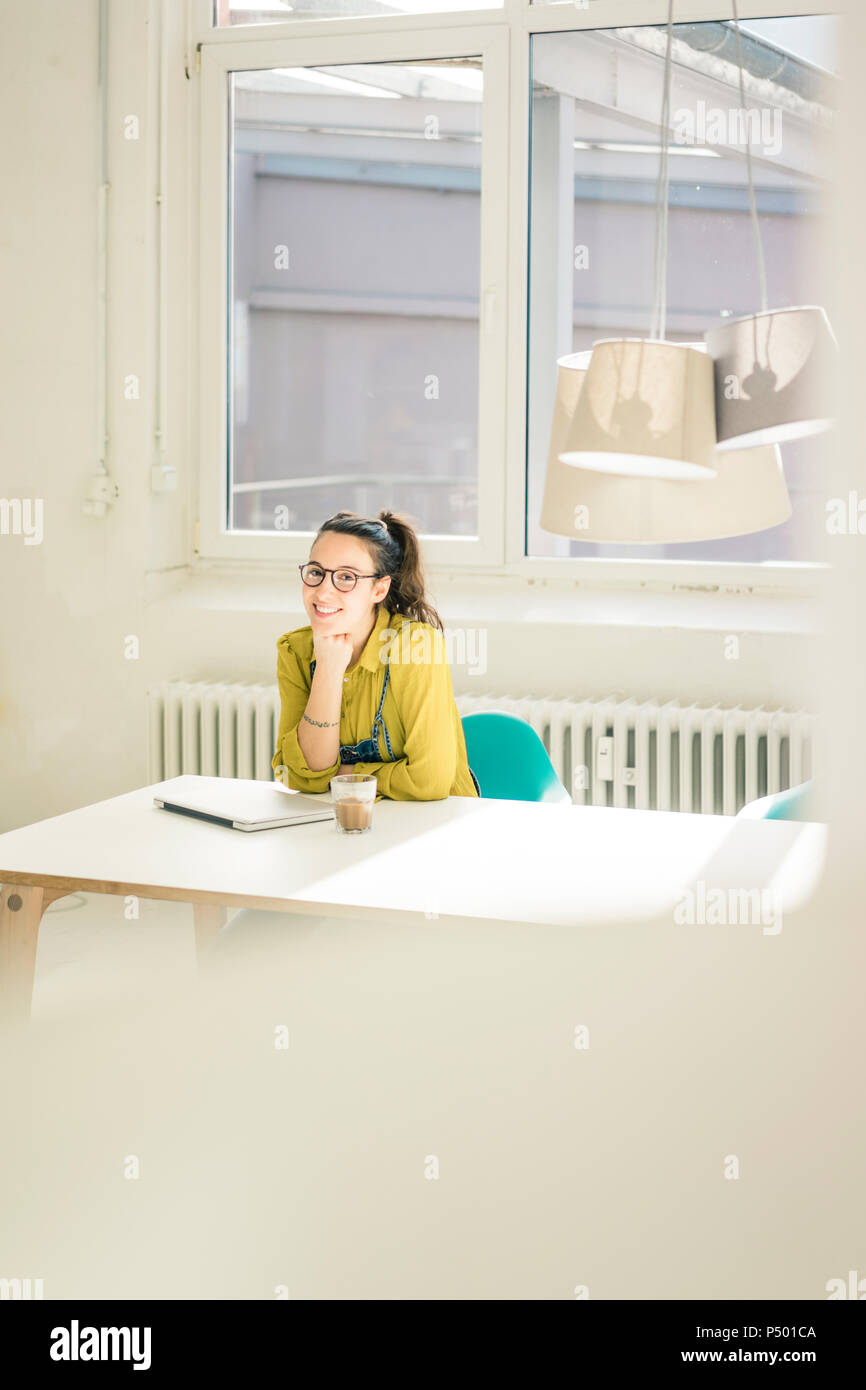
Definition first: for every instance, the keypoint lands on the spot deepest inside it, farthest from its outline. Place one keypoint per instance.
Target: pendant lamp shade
(772, 376)
(747, 493)
(646, 409)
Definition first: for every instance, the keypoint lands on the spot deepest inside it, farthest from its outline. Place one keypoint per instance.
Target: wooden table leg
(208, 919)
(21, 909)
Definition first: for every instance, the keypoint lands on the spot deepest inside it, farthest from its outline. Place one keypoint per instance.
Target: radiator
(213, 728)
(648, 754)
(665, 756)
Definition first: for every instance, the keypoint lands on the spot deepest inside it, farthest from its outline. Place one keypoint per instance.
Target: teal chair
(509, 759)
(797, 803)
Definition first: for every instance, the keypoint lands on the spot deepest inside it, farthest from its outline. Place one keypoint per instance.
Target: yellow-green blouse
(419, 712)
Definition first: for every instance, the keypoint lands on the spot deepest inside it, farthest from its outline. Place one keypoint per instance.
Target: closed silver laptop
(241, 802)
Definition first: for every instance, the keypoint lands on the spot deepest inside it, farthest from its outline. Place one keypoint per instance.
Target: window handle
(491, 304)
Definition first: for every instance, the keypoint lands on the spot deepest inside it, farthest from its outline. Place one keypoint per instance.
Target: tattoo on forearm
(321, 724)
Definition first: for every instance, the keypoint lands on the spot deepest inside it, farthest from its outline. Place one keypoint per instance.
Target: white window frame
(491, 43)
(502, 37)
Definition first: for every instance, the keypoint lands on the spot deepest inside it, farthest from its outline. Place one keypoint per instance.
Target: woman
(367, 686)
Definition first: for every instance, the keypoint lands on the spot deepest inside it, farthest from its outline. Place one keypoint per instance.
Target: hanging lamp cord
(753, 205)
(659, 318)
(657, 329)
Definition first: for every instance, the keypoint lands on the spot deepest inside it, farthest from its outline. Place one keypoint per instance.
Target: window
(595, 147)
(354, 285)
(281, 11)
(346, 360)
(389, 218)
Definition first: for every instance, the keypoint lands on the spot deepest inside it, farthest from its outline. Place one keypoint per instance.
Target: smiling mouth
(323, 613)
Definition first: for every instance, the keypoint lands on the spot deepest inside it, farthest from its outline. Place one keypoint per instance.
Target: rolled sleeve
(294, 694)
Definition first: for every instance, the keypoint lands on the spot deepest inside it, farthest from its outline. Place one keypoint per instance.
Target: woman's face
(352, 610)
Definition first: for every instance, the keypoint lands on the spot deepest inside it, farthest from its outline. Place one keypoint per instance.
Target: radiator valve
(604, 763)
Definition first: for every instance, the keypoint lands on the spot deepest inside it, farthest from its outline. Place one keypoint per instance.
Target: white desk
(496, 861)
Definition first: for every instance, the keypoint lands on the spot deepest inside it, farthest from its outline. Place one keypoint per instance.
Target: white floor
(86, 936)
(384, 1111)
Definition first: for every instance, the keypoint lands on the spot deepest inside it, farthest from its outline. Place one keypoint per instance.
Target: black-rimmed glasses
(344, 580)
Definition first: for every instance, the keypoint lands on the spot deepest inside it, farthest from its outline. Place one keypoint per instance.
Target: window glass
(277, 12)
(355, 252)
(595, 146)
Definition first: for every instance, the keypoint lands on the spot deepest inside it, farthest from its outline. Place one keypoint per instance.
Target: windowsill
(514, 599)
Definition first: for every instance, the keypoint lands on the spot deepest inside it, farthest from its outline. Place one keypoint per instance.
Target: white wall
(71, 706)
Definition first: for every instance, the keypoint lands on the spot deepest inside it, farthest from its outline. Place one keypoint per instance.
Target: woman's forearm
(319, 727)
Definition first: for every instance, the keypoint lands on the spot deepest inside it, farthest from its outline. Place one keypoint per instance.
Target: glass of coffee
(353, 794)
